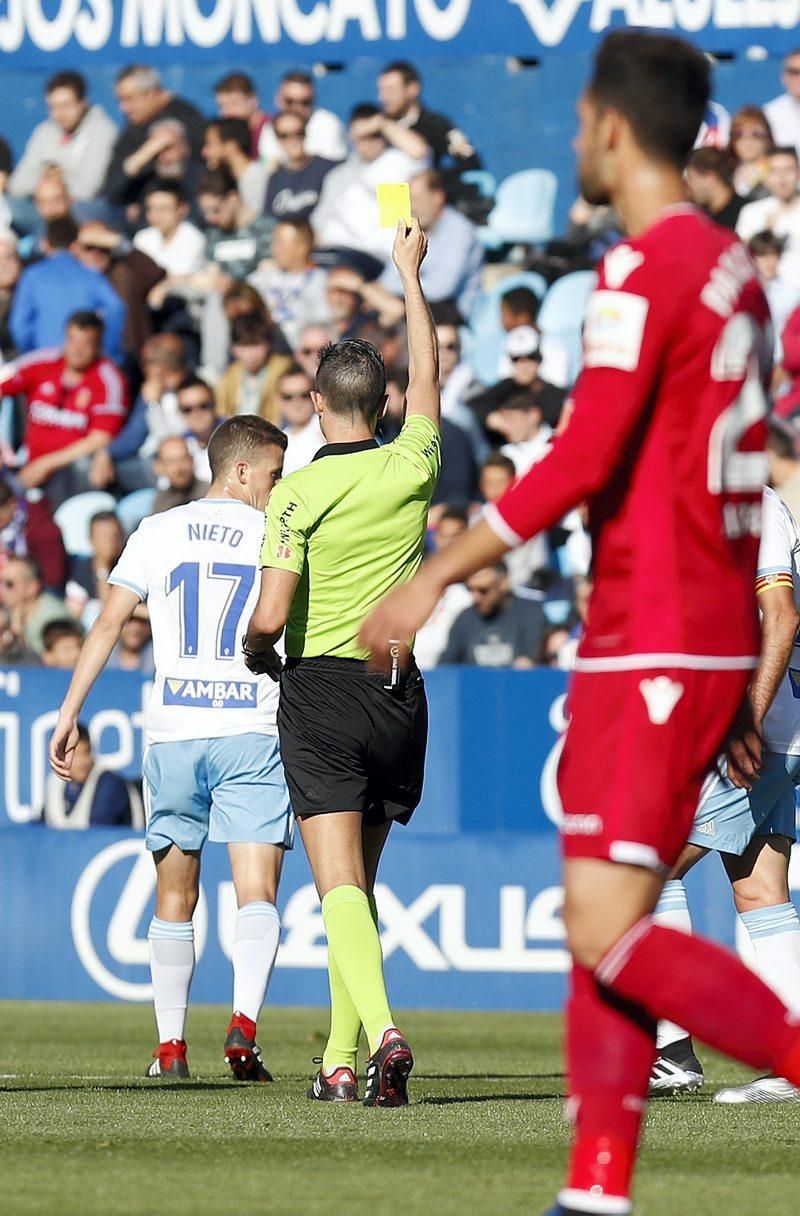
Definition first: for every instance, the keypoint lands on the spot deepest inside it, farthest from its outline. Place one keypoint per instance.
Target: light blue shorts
(728, 818)
(230, 790)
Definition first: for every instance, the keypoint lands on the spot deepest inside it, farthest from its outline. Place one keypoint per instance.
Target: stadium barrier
(470, 903)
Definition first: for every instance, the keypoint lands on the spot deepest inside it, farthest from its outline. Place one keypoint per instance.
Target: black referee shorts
(348, 743)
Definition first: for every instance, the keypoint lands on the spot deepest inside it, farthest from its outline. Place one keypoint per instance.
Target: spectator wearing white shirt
(170, 240)
(346, 220)
(299, 421)
(325, 134)
(783, 113)
(780, 213)
(291, 284)
(198, 409)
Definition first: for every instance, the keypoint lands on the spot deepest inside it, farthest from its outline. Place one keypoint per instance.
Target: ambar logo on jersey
(210, 694)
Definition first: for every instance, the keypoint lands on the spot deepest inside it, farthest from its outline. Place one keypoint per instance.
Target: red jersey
(665, 442)
(60, 411)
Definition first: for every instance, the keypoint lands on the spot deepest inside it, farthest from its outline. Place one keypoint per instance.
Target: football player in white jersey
(212, 765)
(748, 816)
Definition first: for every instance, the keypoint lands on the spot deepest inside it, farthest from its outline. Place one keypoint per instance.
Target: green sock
(341, 1050)
(356, 948)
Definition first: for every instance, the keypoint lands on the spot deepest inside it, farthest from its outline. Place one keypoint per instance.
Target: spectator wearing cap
(61, 644)
(399, 90)
(325, 134)
(346, 219)
(144, 101)
(175, 468)
(524, 353)
(227, 146)
(76, 138)
(27, 529)
(198, 410)
(750, 146)
(30, 607)
(782, 296)
(709, 179)
(298, 419)
(250, 385)
(295, 186)
(93, 797)
(452, 267)
(132, 273)
(500, 629)
(291, 284)
(780, 212)
(127, 462)
(783, 113)
(520, 306)
(50, 291)
(237, 97)
(76, 402)
(783, 461)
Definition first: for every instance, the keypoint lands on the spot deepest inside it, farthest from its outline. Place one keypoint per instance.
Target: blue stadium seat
(562, 312)
(485, 181)
(523, 212)
(135, 507)
(485, 346)
(73, 518)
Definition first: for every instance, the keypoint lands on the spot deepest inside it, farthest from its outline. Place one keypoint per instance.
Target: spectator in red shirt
(76, 402)
(27, 529)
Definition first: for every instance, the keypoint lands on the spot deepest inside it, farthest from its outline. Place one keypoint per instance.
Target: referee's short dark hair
(352, 379)
(241, 438)
(659, 83)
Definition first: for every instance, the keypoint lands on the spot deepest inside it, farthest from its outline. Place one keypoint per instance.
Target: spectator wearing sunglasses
(30, 607)
(132, 273)
(325, 135)
(295, 186)
(309, 345)
(249, 386)
(299, 421)
(524, 352)
(198, 410)
(751, 145)
(783, 113)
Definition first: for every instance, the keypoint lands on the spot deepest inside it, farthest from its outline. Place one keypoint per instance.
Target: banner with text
(175, 31)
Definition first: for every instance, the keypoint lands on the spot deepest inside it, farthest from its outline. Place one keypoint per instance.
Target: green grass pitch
(81, 1131)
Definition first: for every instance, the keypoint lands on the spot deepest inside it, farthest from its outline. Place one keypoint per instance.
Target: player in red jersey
(76, 402)
(663, 439)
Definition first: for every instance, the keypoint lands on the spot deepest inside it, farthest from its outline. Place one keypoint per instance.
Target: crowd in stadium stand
(161, 270)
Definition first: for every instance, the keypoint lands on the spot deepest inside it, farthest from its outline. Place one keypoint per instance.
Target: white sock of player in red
(255, 945)
(171, 969)
(775, 934)
(672, 911)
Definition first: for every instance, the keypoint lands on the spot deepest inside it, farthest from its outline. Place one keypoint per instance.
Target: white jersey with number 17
(197, 568)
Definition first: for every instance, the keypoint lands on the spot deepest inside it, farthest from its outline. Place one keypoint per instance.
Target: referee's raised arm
(422, 397)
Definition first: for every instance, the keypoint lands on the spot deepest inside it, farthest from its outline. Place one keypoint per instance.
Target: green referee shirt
(352, 525)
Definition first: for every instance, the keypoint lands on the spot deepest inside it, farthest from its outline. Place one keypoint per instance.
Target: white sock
(171, 968)
(672, 911)
(601, 1205)
(255, 944)
(775, 934)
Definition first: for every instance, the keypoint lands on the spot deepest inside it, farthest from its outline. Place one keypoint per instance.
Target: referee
(340, 534)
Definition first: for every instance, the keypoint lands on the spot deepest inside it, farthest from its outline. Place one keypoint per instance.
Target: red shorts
(638, 747)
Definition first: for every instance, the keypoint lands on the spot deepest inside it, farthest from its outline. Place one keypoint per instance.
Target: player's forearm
(477, 548)
(423, 353)
(779, 630)
(95, 652)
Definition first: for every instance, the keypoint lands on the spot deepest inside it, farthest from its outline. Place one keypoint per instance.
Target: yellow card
(394, 204)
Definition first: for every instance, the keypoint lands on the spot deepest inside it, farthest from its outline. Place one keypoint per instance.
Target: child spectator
(61, 641)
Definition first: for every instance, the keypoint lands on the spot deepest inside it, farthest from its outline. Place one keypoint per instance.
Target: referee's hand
(265, 663)
(398, 616)
(410, 247)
